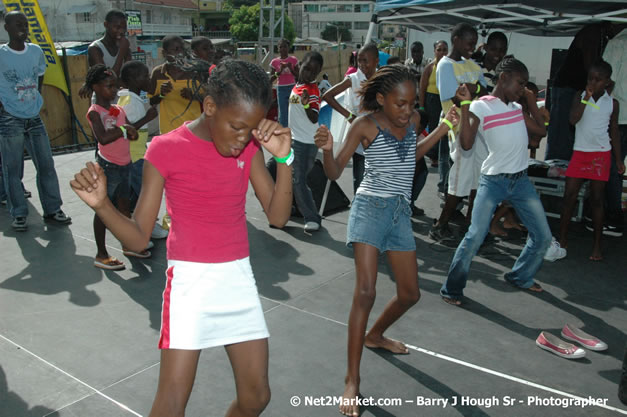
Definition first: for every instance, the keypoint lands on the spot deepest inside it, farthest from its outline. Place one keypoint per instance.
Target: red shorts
(590, 165)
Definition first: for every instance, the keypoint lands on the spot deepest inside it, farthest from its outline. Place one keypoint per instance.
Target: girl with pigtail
(379, 219)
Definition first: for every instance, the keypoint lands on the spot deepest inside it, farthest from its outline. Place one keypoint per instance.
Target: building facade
(312, 17)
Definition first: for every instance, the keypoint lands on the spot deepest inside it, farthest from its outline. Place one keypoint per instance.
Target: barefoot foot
(349, 405)
(381, 342)
(497, 230)
(596, 255)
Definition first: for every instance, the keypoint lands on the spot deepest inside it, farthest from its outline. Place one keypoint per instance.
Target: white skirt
(206, 305)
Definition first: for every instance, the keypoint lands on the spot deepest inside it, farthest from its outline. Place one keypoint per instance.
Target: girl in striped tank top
(379, 219)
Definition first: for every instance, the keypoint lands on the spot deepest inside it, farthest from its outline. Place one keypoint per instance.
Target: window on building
(344, 8)
(327, 8)
(312, 8)
(83, 17)
(148, 16)
(361, 25)
(363, 8)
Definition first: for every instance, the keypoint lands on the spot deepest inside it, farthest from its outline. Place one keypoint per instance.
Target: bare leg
(405, 270)
(449, 208)
(249, 361)
(99, 236)
(597, 193)
(570, 198)
(366, 257)
(176, 379)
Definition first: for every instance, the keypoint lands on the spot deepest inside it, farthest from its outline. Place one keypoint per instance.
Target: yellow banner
(39, 34)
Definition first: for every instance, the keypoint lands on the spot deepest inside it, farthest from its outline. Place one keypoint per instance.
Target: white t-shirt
(591, 131)
(502, 129)
(353, 101)
(302, 128)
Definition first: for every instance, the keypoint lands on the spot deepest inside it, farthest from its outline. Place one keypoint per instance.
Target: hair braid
(234, 80)
(97, 73)
(383, 81)
(510, 64)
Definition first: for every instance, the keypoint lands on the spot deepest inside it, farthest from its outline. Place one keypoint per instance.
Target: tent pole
(371, 28)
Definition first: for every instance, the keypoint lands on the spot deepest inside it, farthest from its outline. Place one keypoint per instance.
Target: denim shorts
(382, 222)
(117, 179)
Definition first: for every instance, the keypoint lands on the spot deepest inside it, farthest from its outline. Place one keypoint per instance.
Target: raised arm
(334, 165)
(469, 123)
(578, 106)
(438, 133)
(329, 97)
(536, 113)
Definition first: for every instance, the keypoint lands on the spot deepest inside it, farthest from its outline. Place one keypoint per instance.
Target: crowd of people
(470, 110)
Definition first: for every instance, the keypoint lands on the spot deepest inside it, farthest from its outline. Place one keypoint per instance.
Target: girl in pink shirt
(113, 131)
(285, 69)
(210, 298)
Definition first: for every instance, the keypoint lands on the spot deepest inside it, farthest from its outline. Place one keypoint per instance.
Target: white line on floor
(119, 404)
(473, 366)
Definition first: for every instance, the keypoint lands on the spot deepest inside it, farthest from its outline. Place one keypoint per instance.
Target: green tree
(331, 31)
(245, 24)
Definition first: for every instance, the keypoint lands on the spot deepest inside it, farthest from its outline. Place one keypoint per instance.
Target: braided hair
(233, 80)
(96, 74)
(510, 64)
(383, 81)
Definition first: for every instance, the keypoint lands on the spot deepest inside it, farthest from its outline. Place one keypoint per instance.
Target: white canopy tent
(532, 17)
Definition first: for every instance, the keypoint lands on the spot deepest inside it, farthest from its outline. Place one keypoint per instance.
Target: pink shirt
(205, 195)
(350, 70)
(117, 152)
(285, 77)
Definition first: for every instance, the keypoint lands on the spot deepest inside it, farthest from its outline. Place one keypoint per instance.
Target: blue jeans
(15, 133)
(304, 158)
(614, 187)
(283, 98)
(561, 137)
(117, 179)
(522, 195)
(3, 193)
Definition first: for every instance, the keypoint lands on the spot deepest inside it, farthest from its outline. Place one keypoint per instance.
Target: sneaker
(570, 332)
(554, 252)
(312, 226)
(608, 229)
(440, 233)
(159, 232)
(59, 217)
(557, 346)
(417, 211)
(19, 224)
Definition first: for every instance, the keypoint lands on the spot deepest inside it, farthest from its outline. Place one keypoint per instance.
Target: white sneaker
(159, 232)
(554, 252)
(312, 226)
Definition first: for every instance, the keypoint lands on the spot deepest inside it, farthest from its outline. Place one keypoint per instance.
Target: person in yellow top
(170, 87)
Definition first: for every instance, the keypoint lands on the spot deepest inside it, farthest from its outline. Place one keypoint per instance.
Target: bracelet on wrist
(587, 103)
(465, 102)
(287, 160)
(478, 88)
(350, 115)
(124, 134)
(421, 108)
(546, 123)
(306, 106)
(448, 123)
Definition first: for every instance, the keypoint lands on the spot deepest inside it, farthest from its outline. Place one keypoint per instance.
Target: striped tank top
(390, 164)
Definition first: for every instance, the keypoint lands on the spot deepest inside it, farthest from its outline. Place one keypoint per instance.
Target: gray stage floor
(77, 341)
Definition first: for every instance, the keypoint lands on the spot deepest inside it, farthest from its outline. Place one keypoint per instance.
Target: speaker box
(317, 181)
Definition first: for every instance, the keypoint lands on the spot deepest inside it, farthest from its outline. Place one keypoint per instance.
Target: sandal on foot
(142, 255)
(534, 288)
(452, 301)
(110, 264)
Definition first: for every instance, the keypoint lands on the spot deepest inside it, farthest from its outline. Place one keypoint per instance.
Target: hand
(275, 138)
(304, 97)
(620, 167)
(351, 119)
(131, 132)
(90, 184)
(166, 88)
(124, 44)
(324, 139)
(452, 116)
(84, 92)
(283, 65)
(152, 113)
(186, 93)
(463, 93)
(589, 92)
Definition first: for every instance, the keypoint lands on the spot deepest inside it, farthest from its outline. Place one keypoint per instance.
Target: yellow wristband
(478, 88)
(123, 129)
(463, 103)
(448, 123)
(587, 103)
(306, 106)
(350, 115)
(546, 123)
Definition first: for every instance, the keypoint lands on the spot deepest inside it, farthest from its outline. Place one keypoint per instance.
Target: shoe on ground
(27, 194)
(417, 211)
(159, 232)
(312, 226)
(557, 346)
(19, 224)
(608, 229)
(570, 332)
(441, 233)
(554, 252)
(59, 217)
